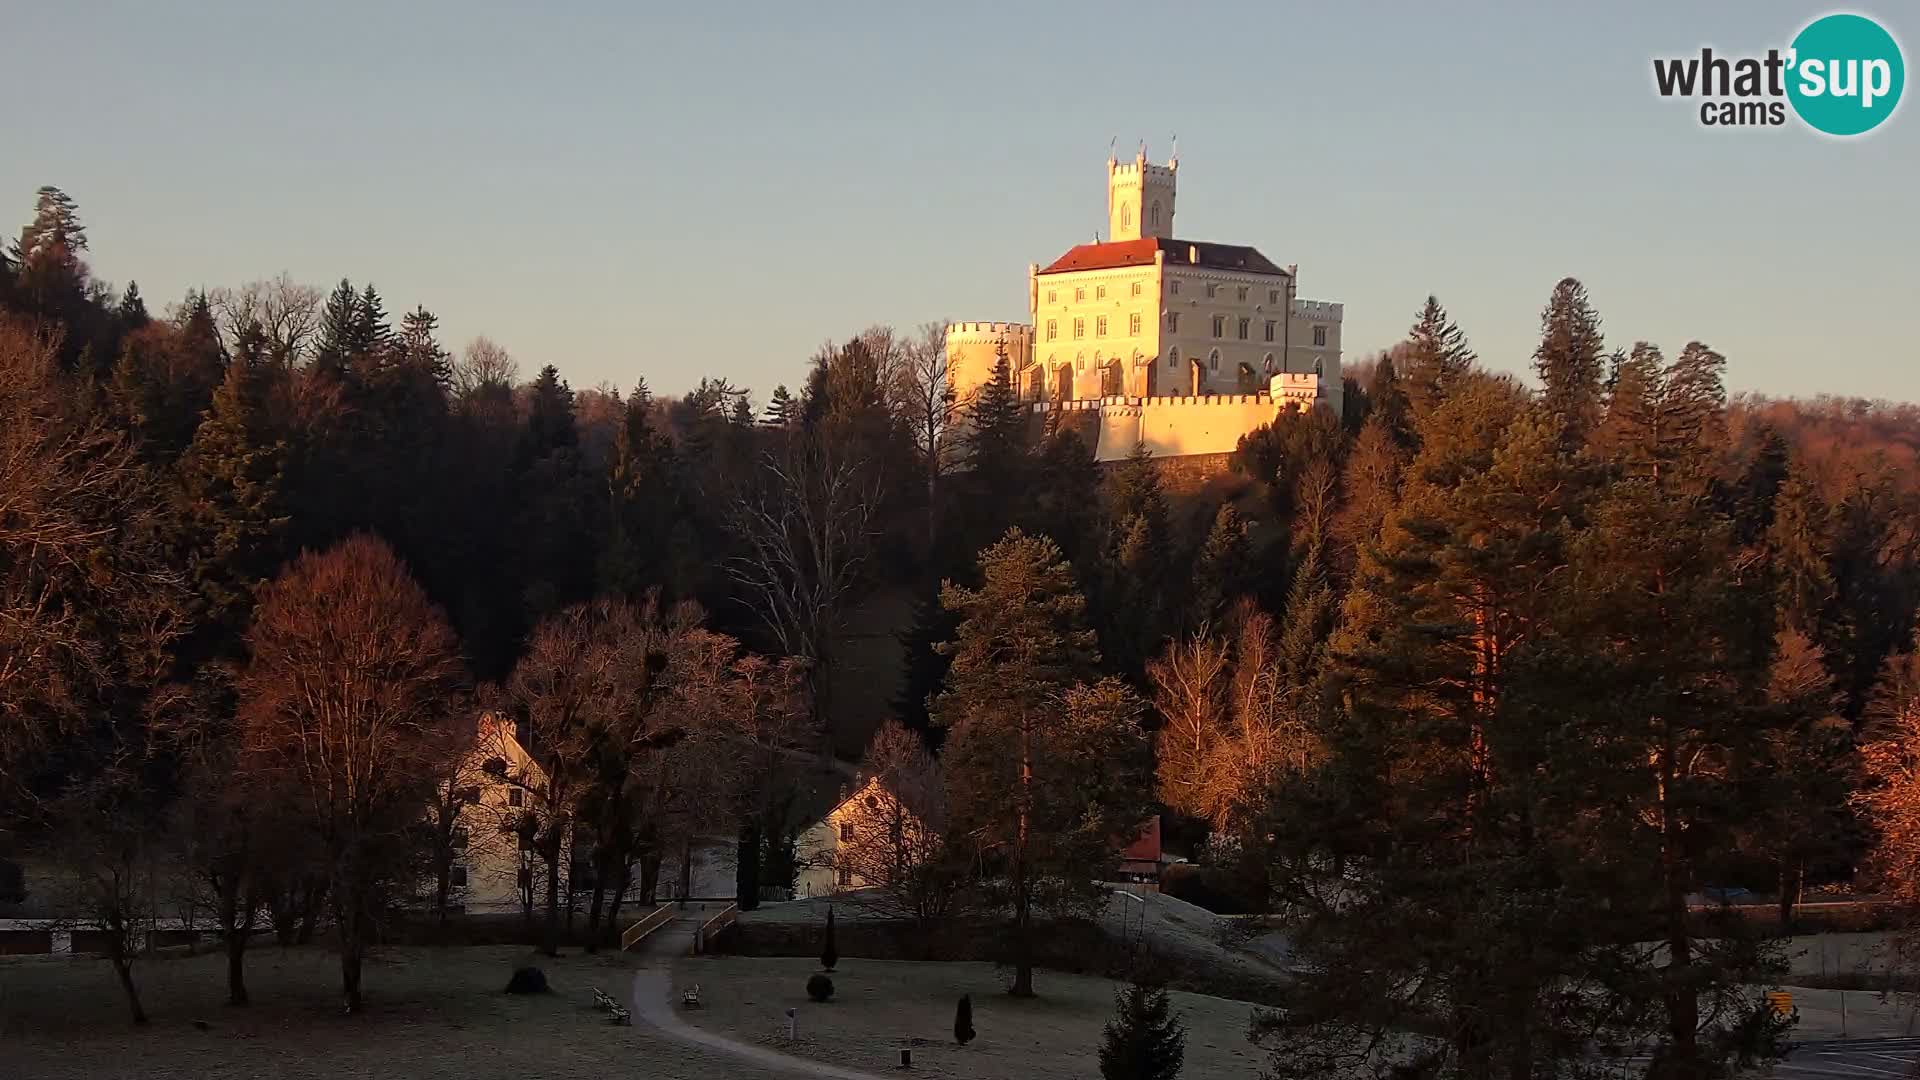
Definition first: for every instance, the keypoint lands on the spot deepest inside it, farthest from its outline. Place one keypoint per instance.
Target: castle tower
(1140, 197)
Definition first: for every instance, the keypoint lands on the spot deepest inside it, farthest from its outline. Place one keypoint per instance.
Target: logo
(1841, 75)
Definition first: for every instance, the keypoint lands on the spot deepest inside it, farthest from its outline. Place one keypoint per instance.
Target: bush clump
(819, 987)
(527, 980)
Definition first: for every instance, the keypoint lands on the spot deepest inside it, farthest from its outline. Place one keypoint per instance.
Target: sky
(675, 190)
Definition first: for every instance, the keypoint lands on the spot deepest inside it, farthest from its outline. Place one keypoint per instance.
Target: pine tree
(1434, 359)
(782, 409)
(231, 479)
(1145, 1040)
(335, 343)
(1800, 546)
(1130, 599)
(1042, 768)
(1570, 363)
(1664, 421)
(925, 665)
(997, 436)
(1223, 569)
(132, 309)
(550, 421)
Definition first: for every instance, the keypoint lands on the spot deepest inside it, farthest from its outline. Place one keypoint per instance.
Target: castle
(1183, 346)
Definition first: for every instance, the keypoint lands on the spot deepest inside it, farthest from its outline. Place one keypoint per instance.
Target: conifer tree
(1130, 599)
(336, 341)
(925, 665)
(1043, 769)
(782, 409)
(1800, 545)
(1570, 363)
(550, 421)
(1436, 356)
(1223, 569)
(996, 441)
(231, 479)
(1145, 1040)
(132, 309)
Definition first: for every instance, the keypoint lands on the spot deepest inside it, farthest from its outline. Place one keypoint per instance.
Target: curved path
(653, 1002)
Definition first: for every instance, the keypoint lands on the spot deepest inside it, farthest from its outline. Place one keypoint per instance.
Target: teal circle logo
(1845, 74)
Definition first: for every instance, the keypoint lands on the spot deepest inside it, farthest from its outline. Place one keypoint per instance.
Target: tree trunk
(649, 878)
(123, 967)
(551, 946)
(442, 885)
(1792, 879)
(686, 870)
(1683, 1003)
(313, 893)
(593, 914)
(237, 966)
(1022, 890)
(619, 895)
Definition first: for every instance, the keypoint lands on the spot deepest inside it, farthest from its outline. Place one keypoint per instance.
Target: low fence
(711, 930)
(638, 932)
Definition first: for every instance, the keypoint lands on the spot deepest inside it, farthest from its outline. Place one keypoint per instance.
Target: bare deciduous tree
(483, 365)
(287, 312)
(892, 836)
(349, 698)
(807, 527)
(924, 395)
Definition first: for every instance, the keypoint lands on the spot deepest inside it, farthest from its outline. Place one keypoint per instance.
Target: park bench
(618, 1015)
(691, 999)
(603, 1002)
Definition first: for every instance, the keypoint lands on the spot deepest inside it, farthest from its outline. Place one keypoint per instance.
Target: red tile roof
(1179, 252)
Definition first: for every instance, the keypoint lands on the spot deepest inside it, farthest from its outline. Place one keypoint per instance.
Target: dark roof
(1179, 252)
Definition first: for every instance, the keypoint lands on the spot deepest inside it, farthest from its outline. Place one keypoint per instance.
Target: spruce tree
(996, 439)
(1223, 569)
(1145, 1040)
(1570, 363)
(335, 341)
(925, 665)
(782, 409)
(550, 421)
(1800, 546)
(132, 309)
(231, 478)
(1435, 358)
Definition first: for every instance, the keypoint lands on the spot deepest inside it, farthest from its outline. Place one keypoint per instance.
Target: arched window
(1080, 362)
(1173, 356)
(1267, 364)
(1126, 215)
(1213, 360)
(1153, 214)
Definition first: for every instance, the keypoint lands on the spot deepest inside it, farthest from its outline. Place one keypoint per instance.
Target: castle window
(846, 832)
(1099, 292)
(1080, 362)
(1126, 215)
(1174, 287)
(1133, 325)
(1080, 293)
(1269, 329)
(1219, 326)
(457, 876)
(1136, 289)
(1153, 215)
(1273, 296)
(1212, 289)
(1053, 329)
(1173, 356)
(1243, 328)
(1213, 360)
(1100, 326)
(1243, 292)
(1079, 328)
(1320, 335)
(1267, 364)
(1052, 296)
(1173, 322)
(514, 797)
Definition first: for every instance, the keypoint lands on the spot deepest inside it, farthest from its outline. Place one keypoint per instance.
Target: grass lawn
(431, 1013)
(880, 1005)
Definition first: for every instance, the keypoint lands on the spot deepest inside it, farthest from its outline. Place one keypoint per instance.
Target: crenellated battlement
(1324, 310)
(989, 330)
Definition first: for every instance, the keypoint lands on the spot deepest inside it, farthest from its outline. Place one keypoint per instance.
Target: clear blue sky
(684, 189)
